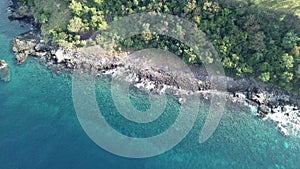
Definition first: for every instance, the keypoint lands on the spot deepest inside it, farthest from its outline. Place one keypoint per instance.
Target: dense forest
(253, 40)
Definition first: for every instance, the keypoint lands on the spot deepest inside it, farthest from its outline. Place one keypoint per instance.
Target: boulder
(240, 95)
(4, 71)
(61, 56)
(182, 100)
(258, 97)
(264, 109)
(41, 47)
(40, 54)
(21, 57)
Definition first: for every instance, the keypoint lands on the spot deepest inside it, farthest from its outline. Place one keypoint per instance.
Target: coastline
(271, 102)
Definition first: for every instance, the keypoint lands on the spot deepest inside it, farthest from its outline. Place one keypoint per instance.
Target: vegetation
(258, 38)
(289, 5)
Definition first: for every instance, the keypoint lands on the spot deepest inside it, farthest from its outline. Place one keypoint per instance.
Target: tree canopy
(251, 40)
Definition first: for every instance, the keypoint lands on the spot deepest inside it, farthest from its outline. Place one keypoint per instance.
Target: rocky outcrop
(29, 43)
(20, 13)
(4, 71)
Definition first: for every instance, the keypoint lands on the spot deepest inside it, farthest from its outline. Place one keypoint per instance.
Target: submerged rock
(4, 71)
(182, 100)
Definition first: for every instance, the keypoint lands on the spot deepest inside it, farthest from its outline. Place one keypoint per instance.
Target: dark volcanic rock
(20, 13)
(263, 109)
(23, 12)
(260, 98)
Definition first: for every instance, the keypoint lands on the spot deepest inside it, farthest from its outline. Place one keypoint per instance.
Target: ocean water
(39, 128)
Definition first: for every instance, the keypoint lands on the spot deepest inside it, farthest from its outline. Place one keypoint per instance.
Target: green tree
(146, 33)
(297, 72)
(296, 53)
(76, 25)
(43, 18)
(97, 21)
(265, 77)
(265, 66)
(288, 61)
(76, 7)
(287, 77)
(290, 40)
(98, 2)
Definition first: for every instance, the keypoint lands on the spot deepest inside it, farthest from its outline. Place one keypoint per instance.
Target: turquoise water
(39, 128)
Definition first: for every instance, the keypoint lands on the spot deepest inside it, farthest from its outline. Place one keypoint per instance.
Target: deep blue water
(39, 128)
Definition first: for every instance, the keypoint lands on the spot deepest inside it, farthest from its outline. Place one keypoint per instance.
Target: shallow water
(39, 127)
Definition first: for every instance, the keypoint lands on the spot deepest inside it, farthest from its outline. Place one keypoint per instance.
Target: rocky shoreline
(271, 103)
